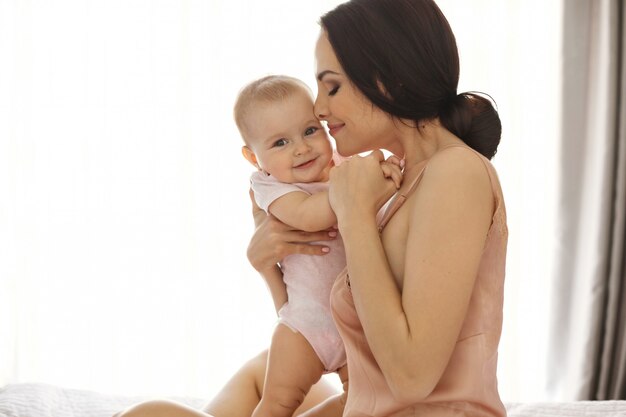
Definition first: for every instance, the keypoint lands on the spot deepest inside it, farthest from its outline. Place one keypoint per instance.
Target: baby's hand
(391, 169)
(396, 161)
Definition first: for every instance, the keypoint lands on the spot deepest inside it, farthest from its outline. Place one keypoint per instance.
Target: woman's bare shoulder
(456, 178)
(457, 166)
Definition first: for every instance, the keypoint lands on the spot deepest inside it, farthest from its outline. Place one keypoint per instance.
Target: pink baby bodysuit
(308, 278)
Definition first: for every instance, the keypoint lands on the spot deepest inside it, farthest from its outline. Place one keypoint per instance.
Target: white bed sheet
(568, 409)
(42, 400)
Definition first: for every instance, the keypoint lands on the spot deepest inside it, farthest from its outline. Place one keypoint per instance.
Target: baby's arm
(307, 212)
(312, 212)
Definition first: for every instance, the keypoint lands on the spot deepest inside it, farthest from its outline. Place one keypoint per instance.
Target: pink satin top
(468, 386)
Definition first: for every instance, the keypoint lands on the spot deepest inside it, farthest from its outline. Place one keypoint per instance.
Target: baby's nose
(302, 147)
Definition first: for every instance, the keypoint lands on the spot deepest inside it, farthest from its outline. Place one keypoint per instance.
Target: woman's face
(355, 123)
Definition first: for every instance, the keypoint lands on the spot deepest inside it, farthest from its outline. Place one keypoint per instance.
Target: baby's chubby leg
(292, 368)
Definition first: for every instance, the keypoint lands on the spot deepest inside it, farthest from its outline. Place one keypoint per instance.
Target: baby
(293, 156)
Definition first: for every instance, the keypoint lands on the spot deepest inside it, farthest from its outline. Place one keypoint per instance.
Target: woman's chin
(346, 150)
(349, 151)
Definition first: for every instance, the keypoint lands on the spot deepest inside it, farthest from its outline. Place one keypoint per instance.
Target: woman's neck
(415, 145)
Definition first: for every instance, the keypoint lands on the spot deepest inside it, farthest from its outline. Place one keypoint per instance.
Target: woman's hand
(362, 185)
(273, 240)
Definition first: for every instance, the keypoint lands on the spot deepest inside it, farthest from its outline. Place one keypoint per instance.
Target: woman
(419, 306)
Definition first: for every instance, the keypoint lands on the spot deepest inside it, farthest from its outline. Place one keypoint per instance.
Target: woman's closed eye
(333, 91)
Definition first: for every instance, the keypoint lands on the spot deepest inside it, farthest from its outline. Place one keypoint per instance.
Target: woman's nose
(320, 108)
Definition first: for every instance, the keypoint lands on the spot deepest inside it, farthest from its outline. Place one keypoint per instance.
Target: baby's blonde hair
(268, 89)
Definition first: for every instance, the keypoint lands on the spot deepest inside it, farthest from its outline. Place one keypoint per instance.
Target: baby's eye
(280, 142)
(310, 130)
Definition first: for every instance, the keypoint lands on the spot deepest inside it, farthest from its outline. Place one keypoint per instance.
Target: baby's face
(288, 140)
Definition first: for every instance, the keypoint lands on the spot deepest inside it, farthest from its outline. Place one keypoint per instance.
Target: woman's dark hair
(402, 55)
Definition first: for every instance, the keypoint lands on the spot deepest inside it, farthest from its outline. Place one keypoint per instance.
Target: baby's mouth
(306, 164)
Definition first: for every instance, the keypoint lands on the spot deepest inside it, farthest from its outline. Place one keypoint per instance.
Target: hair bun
(473, 118)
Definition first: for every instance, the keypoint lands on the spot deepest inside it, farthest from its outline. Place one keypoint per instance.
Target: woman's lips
(333, 129)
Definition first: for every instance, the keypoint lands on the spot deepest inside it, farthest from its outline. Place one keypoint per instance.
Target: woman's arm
(412, 332)
(332, 407)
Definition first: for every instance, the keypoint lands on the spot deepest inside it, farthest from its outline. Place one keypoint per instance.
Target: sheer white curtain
(124, 214)
(511, 50)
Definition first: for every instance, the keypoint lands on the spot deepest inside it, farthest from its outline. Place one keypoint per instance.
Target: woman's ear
(250, 156)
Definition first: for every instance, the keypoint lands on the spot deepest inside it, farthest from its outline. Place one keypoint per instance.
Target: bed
(42, 400)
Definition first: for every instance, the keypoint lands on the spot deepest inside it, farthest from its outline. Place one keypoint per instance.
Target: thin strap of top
(401, 197)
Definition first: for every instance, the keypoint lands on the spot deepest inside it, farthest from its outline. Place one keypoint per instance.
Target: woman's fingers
(307, 249)
(357, 186)
(258, 213)
(298, 242)
(297, 236)
(273, 240)
(282, 249)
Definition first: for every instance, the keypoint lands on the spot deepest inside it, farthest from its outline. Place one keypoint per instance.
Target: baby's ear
(249, 155)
